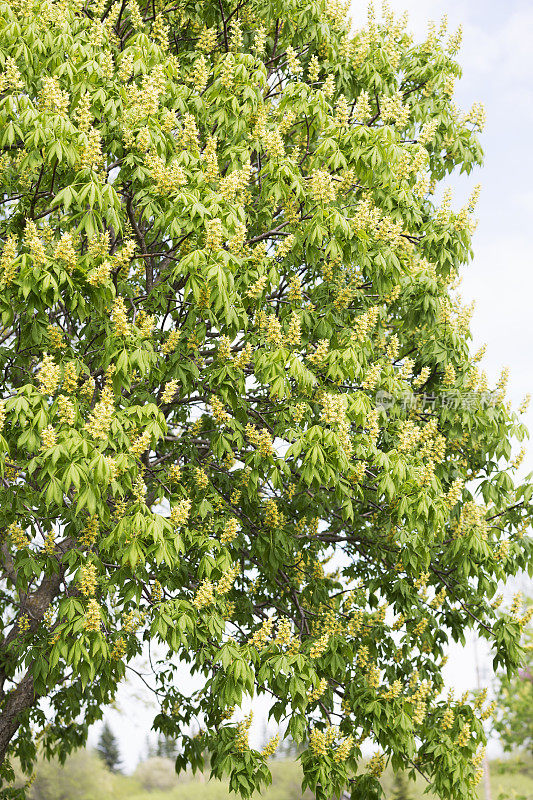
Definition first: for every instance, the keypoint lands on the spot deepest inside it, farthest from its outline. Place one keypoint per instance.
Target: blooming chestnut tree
(242, 428)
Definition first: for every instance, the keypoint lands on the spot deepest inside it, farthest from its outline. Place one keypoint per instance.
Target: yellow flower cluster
(19, 537)
(207, 40)
(464, 736)
(315, 694)
(318, 742)
(90, 532)
(133, 620)
(524, 405)
(439, 598)
(455, 492)
(65, 410)
(11, 77)
(99, 244)
(261, 440)
(294, 333)
(119, 317)
(323, 187)
(200, 478)
(7, 261)
(235, 182)
(118, 651)
(65, 252)
(284, 633)
(447, 719)
(320, 646)
(394, 691)
(179, 514)
(52, 97)
(100, 274)
(237, 242)
(231, 529)
(48, 375)
(100, 418)
(174, 473)
(23, 623)
(343, 750)
(364, 324)
(293, 61)
(55, 335)
(140, 444)
(285, 246)
(156, 592)
(373, 426)
(219, 412)
(472, 518)
(241, 740)
(87, 580)
(320, 354)
(226, 581)
(48, 438)
(171, 343)
(262, 635)
(205, 595)
(213, 234)
(421, 377)
(91, 152)
(272, 142)
(168, 179)
(271, 747)
(376, 765)
(209, 157)
(169, 391)
(139, 489)
(342, 111)
(93, 616)
(372, 376)
(419, 699)
(273, 516)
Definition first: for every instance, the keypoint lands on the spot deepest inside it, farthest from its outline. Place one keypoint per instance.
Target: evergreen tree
(166, 746)
(400, 787)
(107, 748)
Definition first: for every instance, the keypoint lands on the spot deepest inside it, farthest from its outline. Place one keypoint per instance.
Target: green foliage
(514, 717)
(155, 779)
(82, 777)
(241, 420)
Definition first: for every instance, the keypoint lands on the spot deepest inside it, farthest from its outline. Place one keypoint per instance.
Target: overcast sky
(497, 59)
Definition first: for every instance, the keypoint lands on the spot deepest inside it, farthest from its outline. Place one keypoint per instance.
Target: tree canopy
(241, 418)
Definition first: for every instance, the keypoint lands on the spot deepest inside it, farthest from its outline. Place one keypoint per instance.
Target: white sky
(497, 59)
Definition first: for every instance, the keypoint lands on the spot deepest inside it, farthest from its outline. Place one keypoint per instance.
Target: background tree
(241, 418)
(514, 697)
(107, 748)
(166, 747)
(400, 787)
